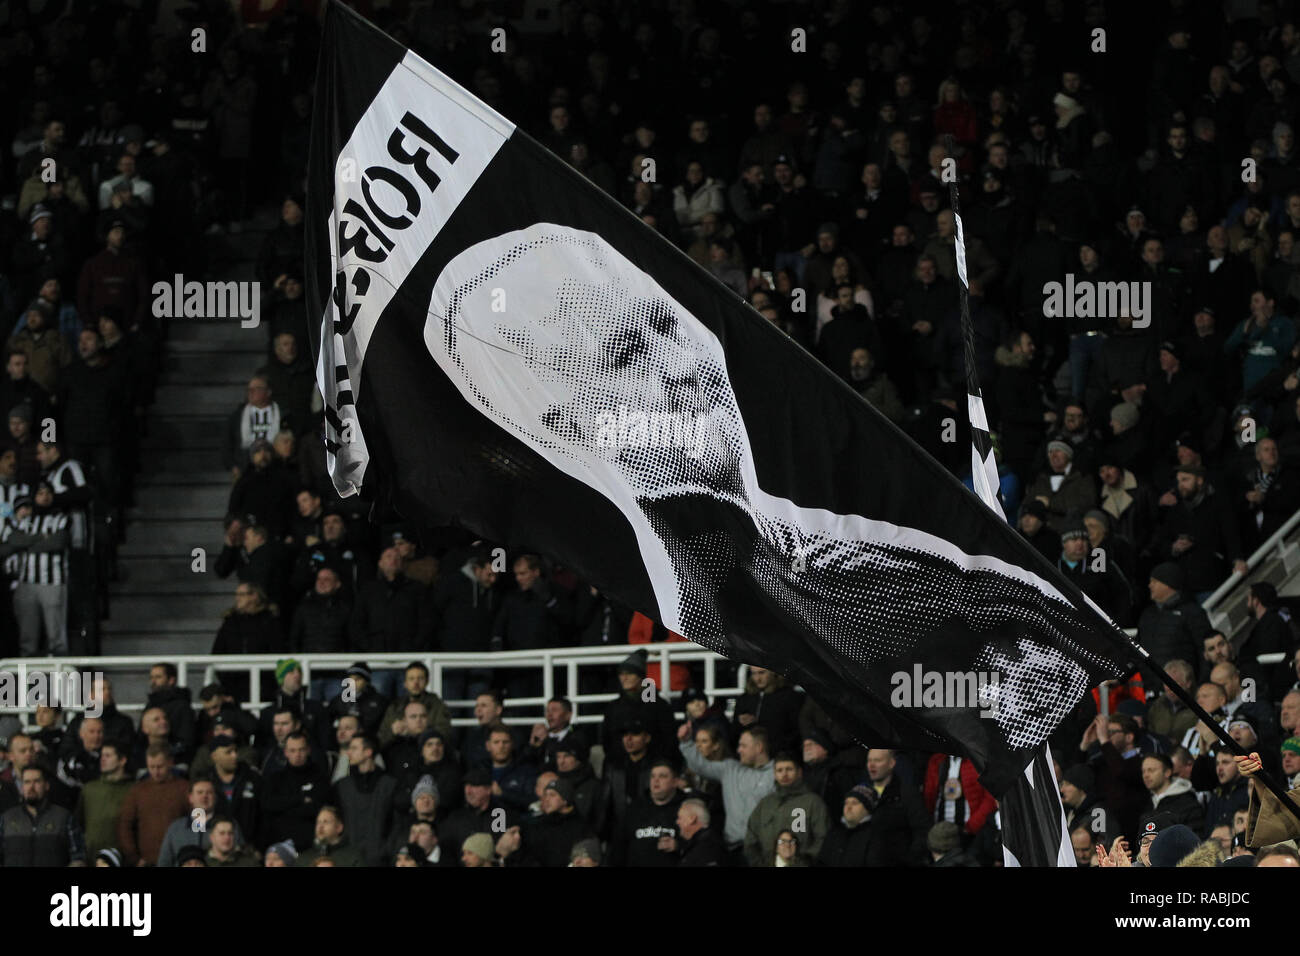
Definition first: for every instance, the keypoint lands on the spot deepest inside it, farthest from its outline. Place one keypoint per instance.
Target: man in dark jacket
(293, 795)
(1200, 533)
(1269, 635)
(853, 841)
(533, 616)
(320, 623)
(94, 399)
(38, 832)
(415, 685)
(774, 706)
(239, 786)
(626, 780)
(1170, 793)
(699, 843)
(548, 839)
(1022, 410)
(1173, 626)
(1033, 528)
(899, 818)
(365, 797)
(650, 825)
(392, 611)
(265, 490)
(638, 702)
(1098, 578)
(359, 697)
(476, 816)
(174, 700)
(465, 604)
(333, 550)
(292, 694)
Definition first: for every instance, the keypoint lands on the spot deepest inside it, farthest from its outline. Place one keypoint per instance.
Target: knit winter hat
(1126, 414)
(1172, 845)
(943, 837)
(1292, 744)
(283, 667)
(424, 785)
(285, 851)
(589, 848)
(1169, 574)
(480, 844)
(1061, 446)
(111, 856)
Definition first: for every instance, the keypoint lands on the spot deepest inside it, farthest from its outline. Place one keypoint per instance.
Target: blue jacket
(1265, 348)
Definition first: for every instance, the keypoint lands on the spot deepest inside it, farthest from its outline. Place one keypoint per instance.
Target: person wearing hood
(365, 800)
(546, 840)
(648, 836)
(330, 841)
(1170, 793)
(790, 799)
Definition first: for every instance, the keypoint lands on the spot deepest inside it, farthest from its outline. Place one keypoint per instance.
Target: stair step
(202, 400)
(148, 571)
(189, 433)
(214, 366)
(171, 464)
(170, 536)
(151, 478)
(161, 609)
(214, 332)
(193, 627)
(182, 501)
(184, 348)
(155, 647)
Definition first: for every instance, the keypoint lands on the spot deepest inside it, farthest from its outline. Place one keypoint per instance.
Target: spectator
(258, 418)
(1173, 625)
(99, 803)
(1264, 338)
(634, 705)
(1064, 492)
(699, 843)
(954, 794)
(365, 800)
(745, 780)
(193, 828)
(38, 832)
(789, 801)
(392, 612)
(174, 700)
(292, 695)
(549, 839)
(293, 795)
(225, 848)
(238, 787)
(320, 623)
(416, 685)
(476, 816)
(149, 808)
(1171, 794)
(46, 350)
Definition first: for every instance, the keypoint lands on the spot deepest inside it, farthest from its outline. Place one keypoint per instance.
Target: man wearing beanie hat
(1291, 761)
(358, 696)
(281, 854)
(478, 850)
(1200, 533)
(944, 843)
(1033, 528)
(853, 841)
(1064, 490)
(1177, 398)
(572, 765)
(546, 840)
(1097, 577)
(293, 694)
(1172, 845)
(410, 854)
(630, 705)
(1173, 625)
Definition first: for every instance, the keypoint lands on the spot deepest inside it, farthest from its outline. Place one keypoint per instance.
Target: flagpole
(1116, 635)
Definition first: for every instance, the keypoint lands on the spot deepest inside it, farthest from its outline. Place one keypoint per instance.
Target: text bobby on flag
(504, 347)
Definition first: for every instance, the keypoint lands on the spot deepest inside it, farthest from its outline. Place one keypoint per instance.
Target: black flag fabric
(1032, 819)
(504, 347)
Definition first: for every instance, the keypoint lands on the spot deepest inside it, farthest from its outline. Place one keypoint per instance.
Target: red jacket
(641, 631)
(980, 804)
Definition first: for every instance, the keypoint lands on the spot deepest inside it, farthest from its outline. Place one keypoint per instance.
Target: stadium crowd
(1145, 452)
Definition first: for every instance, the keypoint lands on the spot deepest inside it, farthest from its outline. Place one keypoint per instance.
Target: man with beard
(37, 832)
(874, 385)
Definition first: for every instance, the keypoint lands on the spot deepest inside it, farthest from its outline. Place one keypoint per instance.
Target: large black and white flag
(504, 347)
(1032, 819)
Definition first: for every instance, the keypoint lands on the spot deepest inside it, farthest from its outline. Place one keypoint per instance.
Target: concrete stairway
(160, 607)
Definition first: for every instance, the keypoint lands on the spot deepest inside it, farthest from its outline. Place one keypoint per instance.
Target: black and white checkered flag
(1031, 815)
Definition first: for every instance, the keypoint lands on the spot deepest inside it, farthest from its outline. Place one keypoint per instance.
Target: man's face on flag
(561, 339)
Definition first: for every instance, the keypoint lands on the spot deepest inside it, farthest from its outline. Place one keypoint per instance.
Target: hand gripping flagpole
(985, 478)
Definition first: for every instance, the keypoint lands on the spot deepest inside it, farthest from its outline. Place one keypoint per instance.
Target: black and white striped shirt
(10, 493)
(66, 477)
(37, 567)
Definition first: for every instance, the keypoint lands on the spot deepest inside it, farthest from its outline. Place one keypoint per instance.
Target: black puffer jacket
(320, 625)
(257, 633)
(392, 616)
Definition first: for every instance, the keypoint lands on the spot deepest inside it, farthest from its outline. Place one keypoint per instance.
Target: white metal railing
(1274, 543)
(660, 658)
